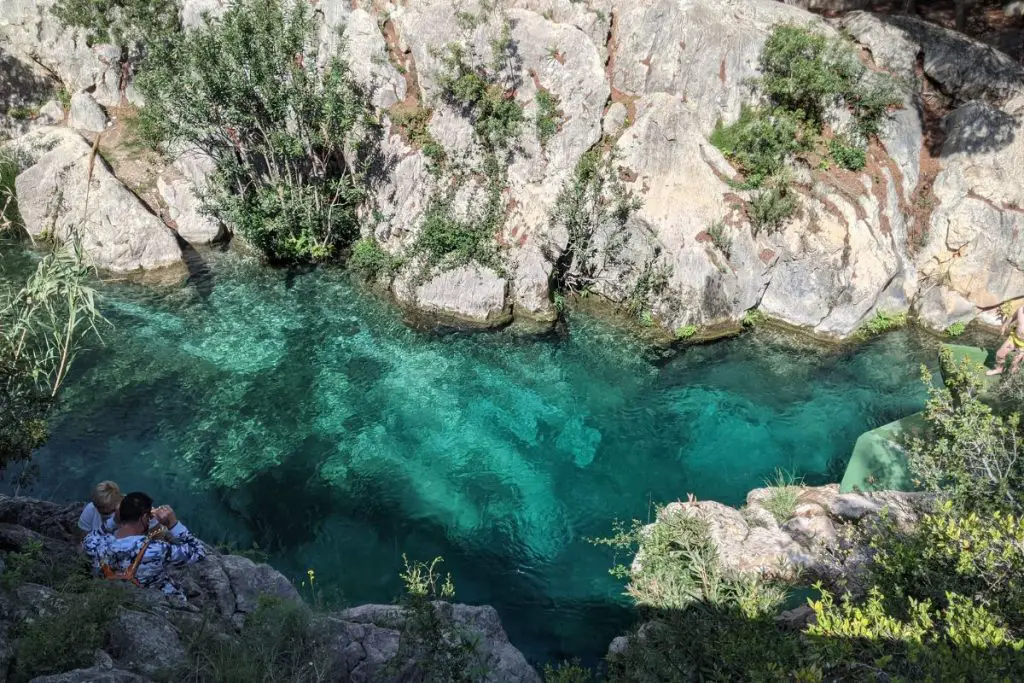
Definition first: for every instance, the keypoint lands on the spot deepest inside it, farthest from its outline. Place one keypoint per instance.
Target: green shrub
(594, 202)
(415, 122)
(883, 321)
(956, 329)
(371, 261)
(549, 117)
(121, 22)
(478, 91)
(971, 455)
(247, 89)
(652, 281)
(772, 206)
(9, 216)
(847, 154)
(760, 142)
(753, 318)
(448, 239)
(68, 635)
(686, 331)
(783, 494)
(1010, 393)
(717, 232)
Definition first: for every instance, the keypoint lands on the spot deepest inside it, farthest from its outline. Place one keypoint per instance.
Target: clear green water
(302, 415)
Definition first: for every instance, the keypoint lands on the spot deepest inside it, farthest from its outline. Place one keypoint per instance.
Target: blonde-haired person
(101, 513)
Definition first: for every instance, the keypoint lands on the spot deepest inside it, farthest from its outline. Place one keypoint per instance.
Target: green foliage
(971, 455)
(912, 640)
(567, 672)
(68, 634)
(1010, 393)
(753, 317)
(760, 142)
(549, 117)
(807, 72)
(479, 91)
(246, 88)
(717, 231)
(847, 154)
(42, 327)
(956, 329)
(371, 261)
(120, 22)
(686, 331)
(951, 551)
(449, 239)
(652, 281)
(415, 120)
(772, 206)
(9, 216)
(783, 493)
(884, 321)
(279, 641)
(23, 113)
(593, 209)
(440, 650)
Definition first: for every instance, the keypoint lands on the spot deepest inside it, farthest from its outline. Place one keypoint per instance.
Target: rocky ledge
(933, 225)
(147, 636)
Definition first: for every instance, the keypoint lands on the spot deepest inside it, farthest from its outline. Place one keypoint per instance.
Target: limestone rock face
(24, 86)
(30, 29)
(95, 674)
(59, 197)
(469, 294)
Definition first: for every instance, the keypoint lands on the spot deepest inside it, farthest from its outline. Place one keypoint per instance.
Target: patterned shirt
(119, 553)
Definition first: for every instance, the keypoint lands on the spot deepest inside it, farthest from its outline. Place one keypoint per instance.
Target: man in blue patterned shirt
(133, 553)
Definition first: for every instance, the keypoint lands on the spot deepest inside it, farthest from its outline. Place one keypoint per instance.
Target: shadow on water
(200, 273)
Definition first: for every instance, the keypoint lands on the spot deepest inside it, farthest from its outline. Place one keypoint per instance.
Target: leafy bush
(956, 329)
(68, 635)
(415, 120)
(686, 331)
(760, 142)
(371, 261)
(772, 206)
(595, 202)
(9, 217)
(971, 455)
(478, 90)
(884, 321)
(847, 154)
(783, 493)
(719, 238)
(1010, 393)
(448, 240)
(549, 117)
(753, 318)
(120, 22)
(246, 88)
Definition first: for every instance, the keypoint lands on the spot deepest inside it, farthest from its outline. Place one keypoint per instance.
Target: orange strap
(128, 574)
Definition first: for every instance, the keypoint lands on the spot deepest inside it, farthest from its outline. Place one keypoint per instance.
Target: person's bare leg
(1017, 358)
(1001, 357)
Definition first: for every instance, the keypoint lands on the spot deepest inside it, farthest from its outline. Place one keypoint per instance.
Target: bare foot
(996, 371)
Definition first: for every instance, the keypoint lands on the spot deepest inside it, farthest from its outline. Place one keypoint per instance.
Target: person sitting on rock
(138, 554)
(1015, 342)
(100, 514)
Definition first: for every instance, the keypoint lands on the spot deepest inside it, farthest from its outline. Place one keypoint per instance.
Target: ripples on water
(302, 415)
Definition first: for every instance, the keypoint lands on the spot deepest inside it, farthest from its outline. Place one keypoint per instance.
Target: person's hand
(165, 515)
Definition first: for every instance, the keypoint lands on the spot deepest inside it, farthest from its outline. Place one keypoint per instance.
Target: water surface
(300, 414)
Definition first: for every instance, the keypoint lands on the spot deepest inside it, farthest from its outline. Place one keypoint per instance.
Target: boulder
(146, 643)
(369, 638)
(467, 294)
(185, 209)
(86, 114)
(68, 191)
(250, 581)
(51, 114)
